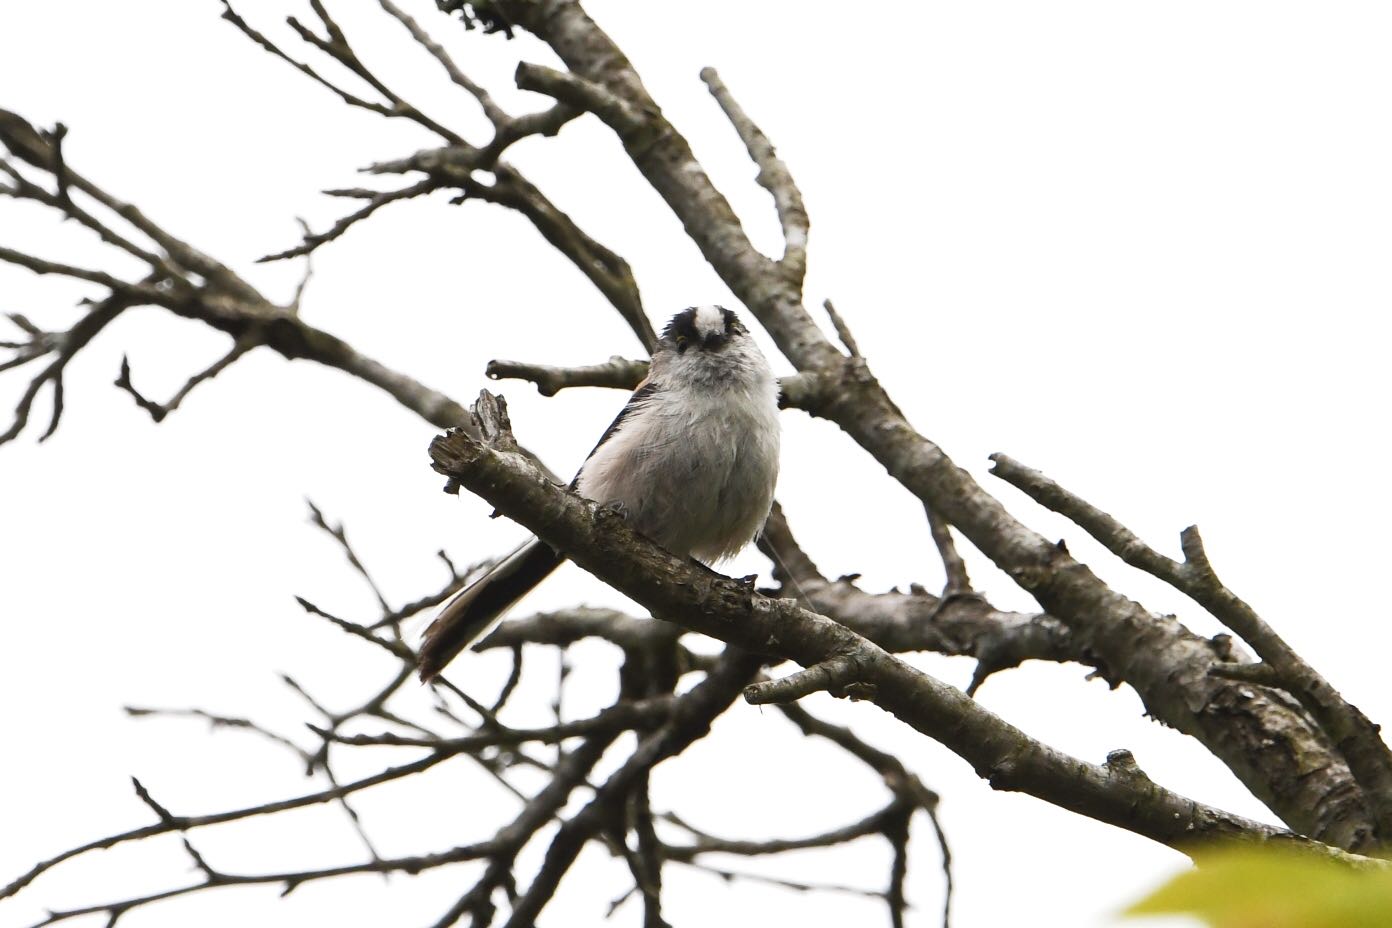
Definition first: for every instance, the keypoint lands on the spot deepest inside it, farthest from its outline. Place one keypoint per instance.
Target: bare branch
(797, 886)
(43, 266)
(568, 774)
(902, 783)
(374, 203)
(65, 347)
(709, 844)
(638, 715)
(1354, 734)
(897, 831)
(956, 623)
(289, 880)
(583, 94)
(953, 566)
(496, 115)
(546, 123)
(571, 625)
(397, 648)
(1298, 770)
(843, 331)
(605, 269)
(1170, 673)
(797, 391)
(1259, 674)
(703, 601)
(316, 516)
(222, 299)
(837, 675)
(335, 44)
(188, 822)
(774, 177)
(158, 411)
(218, 721)
(25, 189)
(618, 373)
(691, 719)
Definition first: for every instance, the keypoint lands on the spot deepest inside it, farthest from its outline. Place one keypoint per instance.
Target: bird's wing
(640, 397)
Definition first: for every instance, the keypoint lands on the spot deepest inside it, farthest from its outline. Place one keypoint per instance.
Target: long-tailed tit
(691, 461)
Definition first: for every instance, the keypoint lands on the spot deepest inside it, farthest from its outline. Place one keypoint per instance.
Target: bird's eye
(681, 343)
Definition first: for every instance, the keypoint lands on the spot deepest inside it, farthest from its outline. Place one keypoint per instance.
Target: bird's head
(708, 347)
(708, 329)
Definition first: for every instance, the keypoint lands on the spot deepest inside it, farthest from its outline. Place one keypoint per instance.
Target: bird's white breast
(695, 467)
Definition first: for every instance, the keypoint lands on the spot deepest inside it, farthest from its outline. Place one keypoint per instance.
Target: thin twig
(158, 411)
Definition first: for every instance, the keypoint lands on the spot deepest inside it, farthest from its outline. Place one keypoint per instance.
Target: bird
(691, 462)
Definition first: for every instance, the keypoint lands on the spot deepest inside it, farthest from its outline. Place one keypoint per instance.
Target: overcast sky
(1140, 246)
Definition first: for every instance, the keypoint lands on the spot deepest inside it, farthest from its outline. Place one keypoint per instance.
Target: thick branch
(955, 623)
(1167, 664)
(1356, 736)
(774, 177)
(703, 601)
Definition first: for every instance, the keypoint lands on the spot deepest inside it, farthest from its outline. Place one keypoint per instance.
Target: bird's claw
(615, 507)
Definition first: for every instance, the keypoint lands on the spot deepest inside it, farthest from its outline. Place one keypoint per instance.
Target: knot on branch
(1122, 763)
(1029, 577)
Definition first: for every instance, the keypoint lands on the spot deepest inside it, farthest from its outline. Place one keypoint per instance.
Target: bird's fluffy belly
(701, 482)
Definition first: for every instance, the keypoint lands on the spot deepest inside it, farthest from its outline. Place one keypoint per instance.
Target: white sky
(1141, 246)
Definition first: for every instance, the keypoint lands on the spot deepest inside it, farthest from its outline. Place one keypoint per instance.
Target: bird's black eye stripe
(682, 330)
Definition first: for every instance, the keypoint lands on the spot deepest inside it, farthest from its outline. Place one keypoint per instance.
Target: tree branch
(1167, 664)
(375, 201)
(700, 600)
(692, 715)
(158, 411)
(796, 391)
(1355, 735)
(774, 177)
(455, 165)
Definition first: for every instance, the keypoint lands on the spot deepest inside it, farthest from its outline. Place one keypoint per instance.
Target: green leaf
(1249, 886)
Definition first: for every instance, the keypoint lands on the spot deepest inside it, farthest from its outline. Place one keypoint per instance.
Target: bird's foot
(615, 507)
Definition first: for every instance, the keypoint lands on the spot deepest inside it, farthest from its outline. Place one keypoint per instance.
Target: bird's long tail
(474, 609)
